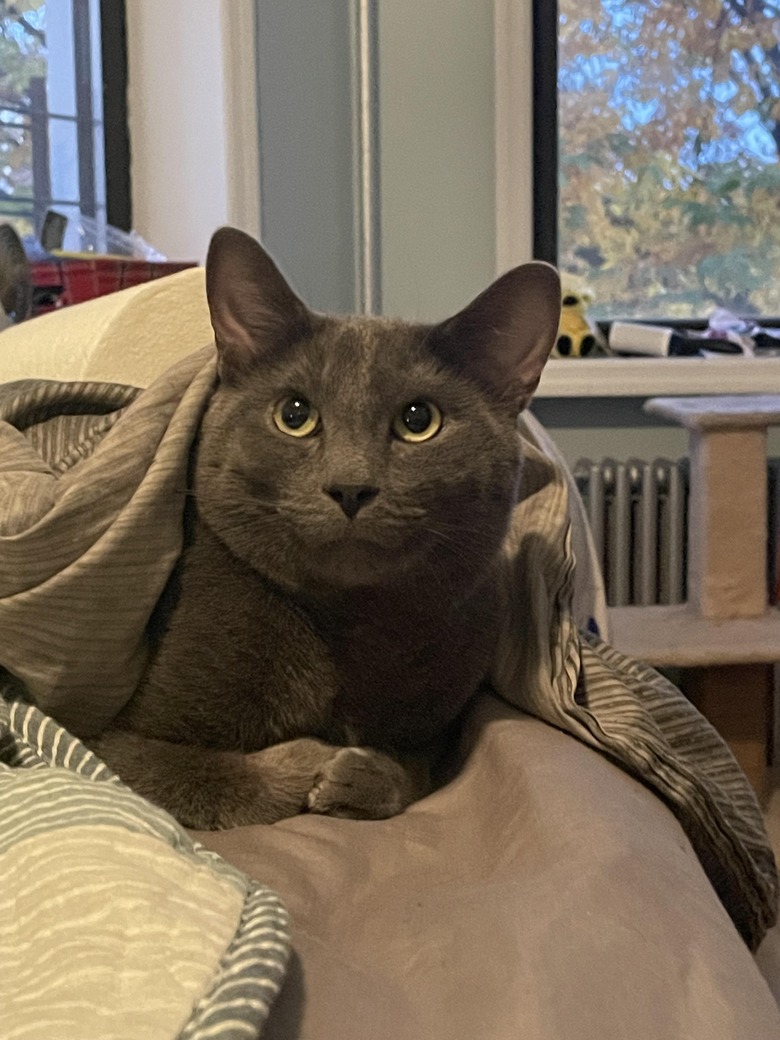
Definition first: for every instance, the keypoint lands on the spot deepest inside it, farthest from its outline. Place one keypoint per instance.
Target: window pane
(61, 77)
(669, 184)
(15, 165)
(64, 149)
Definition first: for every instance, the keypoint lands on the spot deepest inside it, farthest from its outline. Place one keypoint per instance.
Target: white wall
(456, 207)
(435, 118)
(305, 119)
(514, 132)
(456, 153)
(188, 92)
(437, 155)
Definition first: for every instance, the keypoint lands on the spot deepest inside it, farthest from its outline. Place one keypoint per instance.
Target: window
(665, 155)
(63, 120)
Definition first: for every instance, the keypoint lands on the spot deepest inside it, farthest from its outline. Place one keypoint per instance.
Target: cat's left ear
(504, 337)
(253, 309)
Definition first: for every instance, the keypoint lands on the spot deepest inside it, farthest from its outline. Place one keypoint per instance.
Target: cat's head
(345, 451)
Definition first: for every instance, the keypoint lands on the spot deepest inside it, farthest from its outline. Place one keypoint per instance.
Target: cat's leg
(360, 783)
(213, 790)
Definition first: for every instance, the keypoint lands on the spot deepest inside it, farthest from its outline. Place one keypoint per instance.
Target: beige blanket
(92, 485)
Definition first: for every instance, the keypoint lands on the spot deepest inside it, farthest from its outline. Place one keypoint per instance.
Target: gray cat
(336, 605)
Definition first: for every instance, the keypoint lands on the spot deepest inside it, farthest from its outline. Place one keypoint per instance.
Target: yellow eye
(296, 417)
(417, 422)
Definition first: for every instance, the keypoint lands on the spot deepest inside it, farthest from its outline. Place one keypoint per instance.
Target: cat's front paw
(363, 784)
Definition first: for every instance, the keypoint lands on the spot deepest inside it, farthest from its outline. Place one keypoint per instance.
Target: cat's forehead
(363, 352)
(366, 337)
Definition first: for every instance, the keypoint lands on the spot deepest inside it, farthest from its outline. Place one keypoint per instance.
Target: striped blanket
(93, 479)
(113, 922)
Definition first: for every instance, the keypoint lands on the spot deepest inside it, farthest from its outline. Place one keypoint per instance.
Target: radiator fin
(638, 515)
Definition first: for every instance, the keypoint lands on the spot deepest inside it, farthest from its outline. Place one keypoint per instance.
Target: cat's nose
(351, 497)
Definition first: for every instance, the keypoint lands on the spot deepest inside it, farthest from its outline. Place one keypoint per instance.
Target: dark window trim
(83, 66)
(41, 168)
(113, 31)
(545, 130)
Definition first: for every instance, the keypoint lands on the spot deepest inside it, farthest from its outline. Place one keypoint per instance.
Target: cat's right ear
(253, 309)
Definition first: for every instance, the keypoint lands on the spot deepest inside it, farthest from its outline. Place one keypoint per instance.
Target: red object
(58, 283)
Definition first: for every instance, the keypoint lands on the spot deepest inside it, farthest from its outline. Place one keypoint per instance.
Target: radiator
(638, 512)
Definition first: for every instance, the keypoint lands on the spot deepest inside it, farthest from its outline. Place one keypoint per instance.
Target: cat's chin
(352, 563)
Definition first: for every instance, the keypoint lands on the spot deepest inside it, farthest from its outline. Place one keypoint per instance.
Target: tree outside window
(668, 137)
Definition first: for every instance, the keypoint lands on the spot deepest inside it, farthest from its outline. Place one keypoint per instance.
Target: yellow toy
(576, 336)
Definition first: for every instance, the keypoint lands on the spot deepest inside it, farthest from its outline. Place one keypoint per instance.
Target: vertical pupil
(417, 417)
(295, 412)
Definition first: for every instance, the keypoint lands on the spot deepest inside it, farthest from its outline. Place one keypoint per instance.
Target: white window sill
(649, 377)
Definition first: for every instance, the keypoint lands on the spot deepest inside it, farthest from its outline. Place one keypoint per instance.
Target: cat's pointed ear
(253, 309)
(504, 337)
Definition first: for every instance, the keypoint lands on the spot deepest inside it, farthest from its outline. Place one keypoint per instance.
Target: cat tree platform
(726, 637)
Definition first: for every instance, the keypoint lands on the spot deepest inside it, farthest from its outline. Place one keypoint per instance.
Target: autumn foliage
(669, 182)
